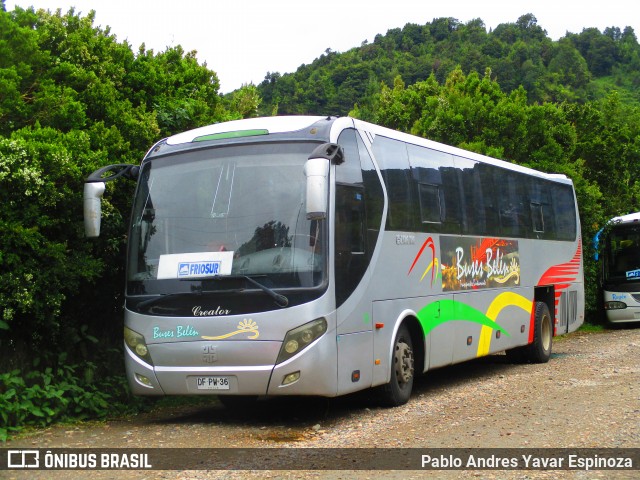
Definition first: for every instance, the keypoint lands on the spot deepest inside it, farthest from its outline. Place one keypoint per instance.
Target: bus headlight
(137, 345)
(614, 305)
(299, 338)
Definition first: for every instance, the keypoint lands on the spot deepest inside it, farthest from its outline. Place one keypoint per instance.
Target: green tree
(76, 99)
(246, 101)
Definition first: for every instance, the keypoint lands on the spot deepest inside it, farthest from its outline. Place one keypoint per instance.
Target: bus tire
(398, 391)
(538, 351)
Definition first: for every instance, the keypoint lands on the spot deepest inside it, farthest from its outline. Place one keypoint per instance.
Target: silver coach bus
(321, 256)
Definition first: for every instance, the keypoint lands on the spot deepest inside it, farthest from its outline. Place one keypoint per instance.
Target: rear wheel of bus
(538, 351)
(398, 390)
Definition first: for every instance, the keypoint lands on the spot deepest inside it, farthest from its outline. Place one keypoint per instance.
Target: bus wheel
(398, 390)
(539, 351)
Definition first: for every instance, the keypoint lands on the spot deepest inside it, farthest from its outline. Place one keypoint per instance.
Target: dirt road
(587, 396)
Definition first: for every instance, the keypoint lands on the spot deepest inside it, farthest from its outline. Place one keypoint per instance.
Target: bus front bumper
(233, 368)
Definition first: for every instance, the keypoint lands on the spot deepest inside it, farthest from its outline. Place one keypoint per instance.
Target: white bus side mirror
(94, 188)
(317, 172)
(92, 208)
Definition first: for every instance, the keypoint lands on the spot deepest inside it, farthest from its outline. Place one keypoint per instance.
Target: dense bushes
(72, 99)
(63, 392)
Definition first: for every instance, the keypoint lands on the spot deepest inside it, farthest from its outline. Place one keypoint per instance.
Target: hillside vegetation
(577, 68)
(73, 98)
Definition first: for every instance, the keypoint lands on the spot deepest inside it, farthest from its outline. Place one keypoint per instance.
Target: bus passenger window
(430, 211)
(537, 218)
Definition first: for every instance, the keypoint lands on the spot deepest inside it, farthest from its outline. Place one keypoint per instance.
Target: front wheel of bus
(398, 390)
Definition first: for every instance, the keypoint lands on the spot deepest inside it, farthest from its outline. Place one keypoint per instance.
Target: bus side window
(564, 211)
(537, 218)
(358, 209)
(350, 259)
(373, 198)
(439, 189)
(474, 216)
(430, 208)
(515, 212)
(349, 219)
(394, 164)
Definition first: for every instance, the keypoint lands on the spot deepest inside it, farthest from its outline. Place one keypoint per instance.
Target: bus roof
(629, 218)
(294, 123)
(265, 125)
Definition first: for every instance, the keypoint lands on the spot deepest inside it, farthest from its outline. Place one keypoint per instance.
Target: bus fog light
(292, 377)
(300, 338)
(143, 380)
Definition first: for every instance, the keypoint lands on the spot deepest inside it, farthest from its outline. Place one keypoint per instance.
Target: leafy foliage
(518, 55)
(74, 99)
(55, 394)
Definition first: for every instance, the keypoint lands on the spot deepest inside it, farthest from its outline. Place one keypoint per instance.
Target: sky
(243, 40)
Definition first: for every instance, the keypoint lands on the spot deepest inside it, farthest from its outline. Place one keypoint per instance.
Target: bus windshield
(246, 200)
(622, 257)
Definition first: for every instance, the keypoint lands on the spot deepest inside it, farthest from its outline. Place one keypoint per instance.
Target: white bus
(321, 256)
(620, 274)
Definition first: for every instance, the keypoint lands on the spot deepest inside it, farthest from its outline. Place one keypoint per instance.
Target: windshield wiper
(155, 300)
(280, 300)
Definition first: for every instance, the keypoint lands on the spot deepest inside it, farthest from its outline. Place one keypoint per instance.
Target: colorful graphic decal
(503, 300)
(434, 265)
(475, 263)
(447, 310)
(561, 276)
(245, 326)
(482, 263)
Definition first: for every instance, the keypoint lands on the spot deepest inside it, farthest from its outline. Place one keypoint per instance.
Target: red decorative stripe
(561, 277)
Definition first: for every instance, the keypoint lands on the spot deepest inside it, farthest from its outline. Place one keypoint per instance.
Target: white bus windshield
(245, 200)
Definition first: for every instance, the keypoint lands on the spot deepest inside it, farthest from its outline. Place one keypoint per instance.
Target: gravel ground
(587, 396)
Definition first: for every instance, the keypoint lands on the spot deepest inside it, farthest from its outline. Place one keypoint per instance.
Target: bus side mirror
(317, 172)
(93, 208)
(94, 187)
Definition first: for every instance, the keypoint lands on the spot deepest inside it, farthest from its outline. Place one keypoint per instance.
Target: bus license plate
(212, 383)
